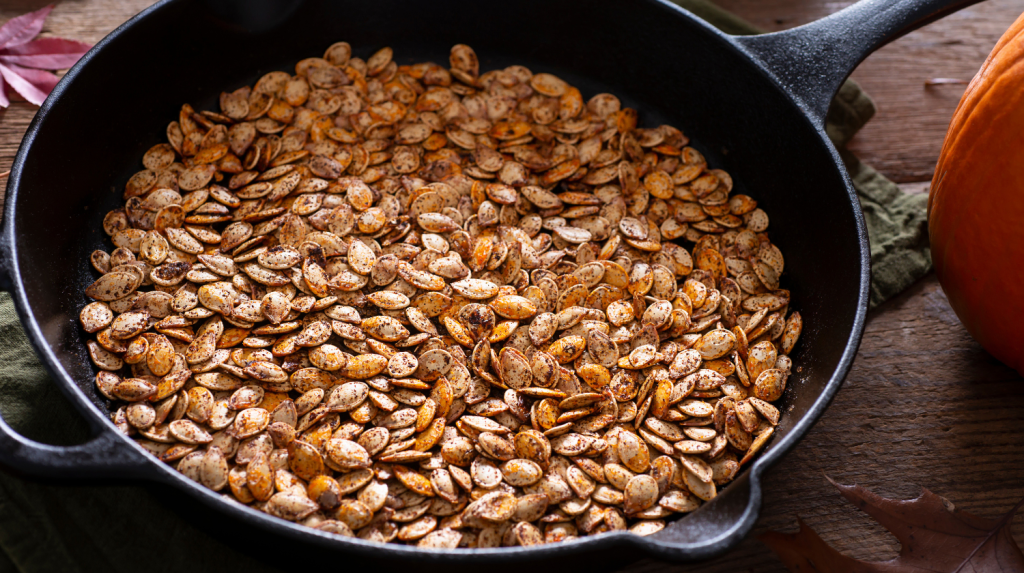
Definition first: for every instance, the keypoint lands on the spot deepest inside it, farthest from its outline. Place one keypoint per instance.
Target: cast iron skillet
(754, 105)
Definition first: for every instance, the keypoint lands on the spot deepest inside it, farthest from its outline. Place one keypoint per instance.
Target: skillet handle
(716, 527)
(104, 456)
(6, 228)
(812, 61)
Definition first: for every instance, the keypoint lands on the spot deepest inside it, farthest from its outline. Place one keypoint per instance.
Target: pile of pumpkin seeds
(426, 305)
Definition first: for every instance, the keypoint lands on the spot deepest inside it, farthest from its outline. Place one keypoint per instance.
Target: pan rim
(98, 422)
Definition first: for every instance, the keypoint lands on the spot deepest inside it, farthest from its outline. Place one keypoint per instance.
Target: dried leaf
(23, 61)
(45, 53)
(21, 29)
(43, 80)
(24, 87)
(934, 538)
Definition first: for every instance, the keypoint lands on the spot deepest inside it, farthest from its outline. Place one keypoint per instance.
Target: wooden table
(924, 405)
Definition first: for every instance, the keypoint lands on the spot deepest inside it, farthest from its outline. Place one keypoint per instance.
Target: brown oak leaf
(934, 538)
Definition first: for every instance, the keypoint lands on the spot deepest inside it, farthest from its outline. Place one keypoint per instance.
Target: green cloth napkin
(897, 222)
(112, 528)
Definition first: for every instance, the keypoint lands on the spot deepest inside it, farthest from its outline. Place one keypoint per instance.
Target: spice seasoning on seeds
(426, 305)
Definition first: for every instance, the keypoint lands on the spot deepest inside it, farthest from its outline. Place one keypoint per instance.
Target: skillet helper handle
(6, 229)
(812, 61)
(104, 456)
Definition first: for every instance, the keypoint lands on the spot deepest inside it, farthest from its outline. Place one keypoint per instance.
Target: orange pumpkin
(976, 204)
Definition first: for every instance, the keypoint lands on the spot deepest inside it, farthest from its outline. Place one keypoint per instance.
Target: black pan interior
(671, 69)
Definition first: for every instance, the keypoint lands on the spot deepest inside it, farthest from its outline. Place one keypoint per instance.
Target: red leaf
(4, 102)
(23, 28)
(43, 80)
(19, 54)
(43, 61)
(24, 87)
(45, 53)
(934, 538)
(49, 46)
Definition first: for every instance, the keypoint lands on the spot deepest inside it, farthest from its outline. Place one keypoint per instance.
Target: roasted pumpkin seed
(440, 307)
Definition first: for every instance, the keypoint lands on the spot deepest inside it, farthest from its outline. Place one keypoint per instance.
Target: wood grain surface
(924, 405)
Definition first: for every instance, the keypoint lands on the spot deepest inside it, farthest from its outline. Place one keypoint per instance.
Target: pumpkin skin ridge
(971, 280)
(969, 100)
(976, 203)
(967, 136)
(993, 63)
